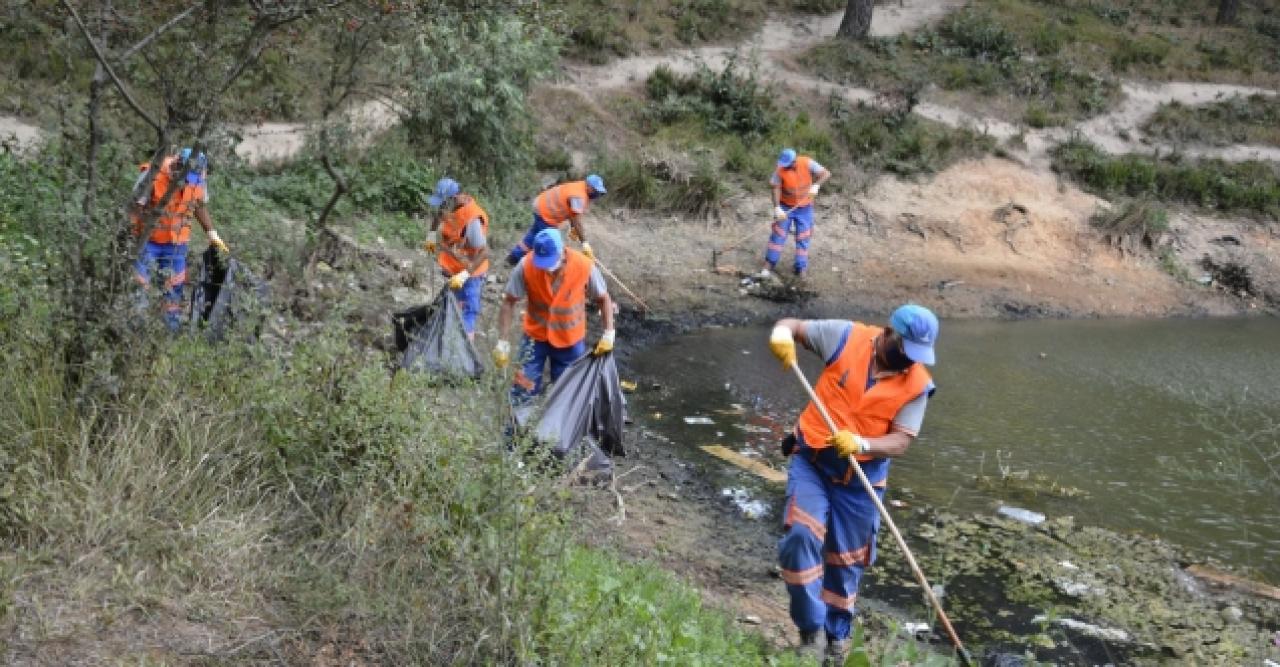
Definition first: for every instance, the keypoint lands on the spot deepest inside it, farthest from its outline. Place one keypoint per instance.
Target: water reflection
(1163, 425)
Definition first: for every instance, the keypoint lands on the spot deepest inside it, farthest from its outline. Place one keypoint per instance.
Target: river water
(1160, 427)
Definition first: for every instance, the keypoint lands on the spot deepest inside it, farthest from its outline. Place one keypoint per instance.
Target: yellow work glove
(431, 243)
(502, 354)
(605, 346)
(586, 250)
(849, 444)
(459, 279)
(216, 242)
(783, 346)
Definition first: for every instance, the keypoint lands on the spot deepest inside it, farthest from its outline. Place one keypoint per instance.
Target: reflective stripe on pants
(800, 222)
(170, 260)
(830, 540)
(531, 358)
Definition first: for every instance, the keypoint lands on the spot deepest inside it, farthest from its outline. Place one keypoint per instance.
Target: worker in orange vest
(166, 245)
(795, 182)
(557, 283)
(875, 388)
(566, 202)
(462, 242)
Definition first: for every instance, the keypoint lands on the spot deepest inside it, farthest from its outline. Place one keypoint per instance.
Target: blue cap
(596, 183)
(548, 248)
(787, 158)
(195, 176)
(445, 188)
(918, 327)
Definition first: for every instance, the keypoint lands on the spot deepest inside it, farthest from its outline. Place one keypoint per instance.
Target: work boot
(837, 652)
(809, 646)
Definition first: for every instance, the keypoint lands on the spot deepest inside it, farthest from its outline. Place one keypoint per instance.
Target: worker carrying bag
(431, 338)
(227, 296)
(585, 406)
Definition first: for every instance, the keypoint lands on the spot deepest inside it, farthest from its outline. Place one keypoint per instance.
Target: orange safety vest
(795, 183)
(174, 224)
(553, 204)
(842, 388)
(453, 231)
(558, 316)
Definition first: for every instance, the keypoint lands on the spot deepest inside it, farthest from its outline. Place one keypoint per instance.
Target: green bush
(728, 101)
(977, 35)
(902, 142)
(1226, 186)
(1143, 50)
(1235, 120)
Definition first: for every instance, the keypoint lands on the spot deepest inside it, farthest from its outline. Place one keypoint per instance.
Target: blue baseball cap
(787, 158)
(918, 327)
(195, 176)
(445, 188)
(596, 183)
(548, 248)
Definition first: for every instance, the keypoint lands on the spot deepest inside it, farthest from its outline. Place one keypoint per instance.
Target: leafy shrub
(903, 143)
(1238, 119)
(728, 101)
(1241, 186)
(1143, 50)
(980, 36)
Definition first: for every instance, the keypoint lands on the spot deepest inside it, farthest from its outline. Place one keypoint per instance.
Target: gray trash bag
(586, 403)
(227, 296)
(434, 340)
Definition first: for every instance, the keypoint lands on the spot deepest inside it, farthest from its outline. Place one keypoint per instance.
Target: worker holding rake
(795, 182)
(868, 405)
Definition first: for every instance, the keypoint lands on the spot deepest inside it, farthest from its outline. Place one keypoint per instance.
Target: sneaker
(837, 653)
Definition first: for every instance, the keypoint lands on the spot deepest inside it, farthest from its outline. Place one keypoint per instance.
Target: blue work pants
(169, 260)
(800, 222)
(532, 357)
(830, 540)
(526, 244)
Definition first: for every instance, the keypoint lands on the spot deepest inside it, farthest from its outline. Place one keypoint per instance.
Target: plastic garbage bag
(432, 339)
(227, 296)
(585, 403)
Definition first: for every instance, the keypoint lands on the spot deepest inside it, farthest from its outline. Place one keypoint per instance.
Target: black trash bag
(586, 402)
(433, 339)
(227, 296)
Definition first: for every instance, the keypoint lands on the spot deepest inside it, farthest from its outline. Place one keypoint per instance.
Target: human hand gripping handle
(586, 250)
(813, 189)
(216, 242)
(432, 242)
(849, 444)
(502, 354)
(605, 346)
(779, 213)
(459, 279)
(783, 346)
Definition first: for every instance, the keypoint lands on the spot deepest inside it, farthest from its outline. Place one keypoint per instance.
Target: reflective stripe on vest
(553, 205)
(174, 224)
(842, 389)
(557, 316)
(453, 232)
(795, 183)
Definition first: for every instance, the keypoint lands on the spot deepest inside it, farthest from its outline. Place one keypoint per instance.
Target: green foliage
(657, 185)
(977, 35)
(593, 32)
(1226, 186)
(729, 101)
(1236, 120)
(1142, 50)
(901, 142)
(468, 80)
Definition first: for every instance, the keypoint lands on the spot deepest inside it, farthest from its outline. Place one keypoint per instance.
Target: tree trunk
(857, 19)
(1227, 11)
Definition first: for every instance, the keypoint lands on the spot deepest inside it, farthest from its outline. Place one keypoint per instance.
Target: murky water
(1157, 427)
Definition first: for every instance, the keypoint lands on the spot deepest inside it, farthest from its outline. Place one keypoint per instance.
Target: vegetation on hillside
(1236, 120)
(1230, 187)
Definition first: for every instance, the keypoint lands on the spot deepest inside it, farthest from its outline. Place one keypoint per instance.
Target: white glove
(813, 189)
(586, 250)
(432, 242)
(216, 241)
(502, 354)
(779, 214)
(459, 279)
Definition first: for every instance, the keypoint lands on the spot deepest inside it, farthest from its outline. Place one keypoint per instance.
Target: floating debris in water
(628, 386)
(700, 421)
(1019, 514)
(916, 630)
(752, 509)
(752, 428)
(1087, 629)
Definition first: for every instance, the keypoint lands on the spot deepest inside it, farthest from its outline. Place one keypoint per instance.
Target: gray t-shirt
(824, 338)
(596, 287)
(815, 170)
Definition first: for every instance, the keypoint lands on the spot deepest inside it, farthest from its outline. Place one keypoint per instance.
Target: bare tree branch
(158, 31)
(102, 58)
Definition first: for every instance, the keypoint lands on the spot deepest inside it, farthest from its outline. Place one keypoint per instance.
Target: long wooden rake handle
(884, 514)
(623, 285)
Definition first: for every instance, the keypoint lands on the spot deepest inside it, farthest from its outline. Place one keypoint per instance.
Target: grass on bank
(1254, 119)
(1228, 187)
